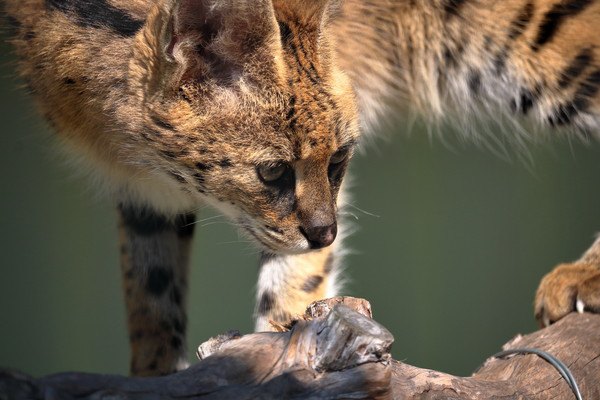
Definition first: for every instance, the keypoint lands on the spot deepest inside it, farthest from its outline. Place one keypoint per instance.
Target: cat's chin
(270, 243)
(281, 250)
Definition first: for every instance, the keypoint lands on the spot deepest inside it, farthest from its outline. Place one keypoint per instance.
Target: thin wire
(555, 362)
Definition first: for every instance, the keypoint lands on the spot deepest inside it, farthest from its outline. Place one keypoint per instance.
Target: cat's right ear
(217, 40)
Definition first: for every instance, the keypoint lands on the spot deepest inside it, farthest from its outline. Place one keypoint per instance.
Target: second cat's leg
(287, 284)
(154, 263)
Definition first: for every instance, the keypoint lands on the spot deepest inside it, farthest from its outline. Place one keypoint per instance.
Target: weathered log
(338, 352)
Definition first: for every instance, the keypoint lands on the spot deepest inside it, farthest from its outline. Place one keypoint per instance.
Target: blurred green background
(450, 262)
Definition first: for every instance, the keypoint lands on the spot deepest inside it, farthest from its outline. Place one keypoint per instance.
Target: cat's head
(245, 109)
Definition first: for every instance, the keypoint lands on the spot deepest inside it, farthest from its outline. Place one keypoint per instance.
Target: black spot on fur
(527, 100)
(312, 283)
(29, 35)
(162, 123)
(176, 342)
(69, 81)
(169, 154)
(159, 279)
(13, 23)
(591, 84)
(564, 113)
(143, 221)
(453, 56)
(225, 163)
(474, 82)
(553, 19)
(576, 67)
(518, 26)
(452, 7)
(448, 56)
(98, 14)
(266, 303)
(203, 166)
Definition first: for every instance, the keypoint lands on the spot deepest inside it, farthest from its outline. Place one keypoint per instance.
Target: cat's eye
(339, 156)
(272, 172)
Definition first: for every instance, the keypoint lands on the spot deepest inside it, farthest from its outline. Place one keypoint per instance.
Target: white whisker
(219, 222)
(208, 219)
(361, 210)
(349, 213)
(235, 241)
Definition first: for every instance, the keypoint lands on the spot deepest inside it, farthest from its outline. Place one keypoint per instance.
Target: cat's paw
(568, 288)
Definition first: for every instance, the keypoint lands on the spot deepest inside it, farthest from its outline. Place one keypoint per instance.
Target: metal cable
(555, 362)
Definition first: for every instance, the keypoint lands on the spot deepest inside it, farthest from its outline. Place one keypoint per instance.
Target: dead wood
(337, 352)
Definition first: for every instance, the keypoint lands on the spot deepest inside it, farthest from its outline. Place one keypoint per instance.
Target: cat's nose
(320, 236)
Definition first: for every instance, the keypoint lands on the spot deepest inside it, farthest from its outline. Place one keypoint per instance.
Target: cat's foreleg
(155, 253)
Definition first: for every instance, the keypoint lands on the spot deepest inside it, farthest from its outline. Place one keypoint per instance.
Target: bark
(337, 352)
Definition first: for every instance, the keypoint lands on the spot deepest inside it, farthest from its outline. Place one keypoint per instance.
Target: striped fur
(474, 58)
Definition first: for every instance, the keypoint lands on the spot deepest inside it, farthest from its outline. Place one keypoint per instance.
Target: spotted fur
(532, 61)
(154, 261)
(177, 103)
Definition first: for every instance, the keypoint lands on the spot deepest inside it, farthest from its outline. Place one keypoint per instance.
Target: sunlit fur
(167, 129)
(461, 61)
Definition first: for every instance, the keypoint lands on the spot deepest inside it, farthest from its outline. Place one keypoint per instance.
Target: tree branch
(337, 351)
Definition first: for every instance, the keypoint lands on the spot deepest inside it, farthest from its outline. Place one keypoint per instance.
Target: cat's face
(274, 164)
(258, 122)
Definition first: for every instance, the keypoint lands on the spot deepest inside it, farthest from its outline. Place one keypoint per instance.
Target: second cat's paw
(568, 288)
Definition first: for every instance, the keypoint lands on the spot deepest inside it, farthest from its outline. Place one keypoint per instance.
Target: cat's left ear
(217, 41)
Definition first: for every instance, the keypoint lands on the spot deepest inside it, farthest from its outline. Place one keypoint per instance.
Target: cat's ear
(314, 18)
(220, 40)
